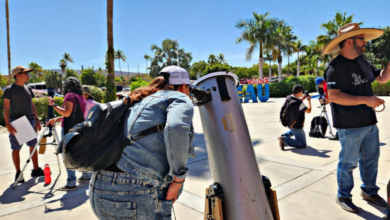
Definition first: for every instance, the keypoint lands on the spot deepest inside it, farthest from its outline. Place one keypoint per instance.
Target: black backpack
(318, 127)
(287, 117)
(98, 142)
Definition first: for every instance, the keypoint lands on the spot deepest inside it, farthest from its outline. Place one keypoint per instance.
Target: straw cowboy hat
(350, 30)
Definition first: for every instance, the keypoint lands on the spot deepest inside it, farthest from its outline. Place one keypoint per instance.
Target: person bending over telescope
(149, 176)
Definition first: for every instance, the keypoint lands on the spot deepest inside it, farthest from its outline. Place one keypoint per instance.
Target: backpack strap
(154, 129)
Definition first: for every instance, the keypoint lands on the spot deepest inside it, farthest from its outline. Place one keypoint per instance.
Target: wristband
(178, 182)
(54, 105)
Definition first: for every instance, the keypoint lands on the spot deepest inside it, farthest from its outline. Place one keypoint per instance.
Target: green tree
(300, 48)
(197, 68)
(167, 55)
(119, 55)
(71, 73)
(216, 68)
(53, 79)
(378, 50)
(67, 58)
(110, 85)
(36, 74)
(147, 57)
(257, 32)
(212, 60)
(332, 26)
(271, 55)
(221, 58)
(89, 77)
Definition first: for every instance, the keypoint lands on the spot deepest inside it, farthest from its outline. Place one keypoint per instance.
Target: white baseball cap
(177, 75)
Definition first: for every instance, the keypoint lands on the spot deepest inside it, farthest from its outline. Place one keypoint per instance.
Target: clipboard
(24, 131)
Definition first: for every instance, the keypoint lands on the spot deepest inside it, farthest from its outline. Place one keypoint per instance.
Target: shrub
(97, 93)
(284, 88)
(39, 93)
(381, 88)
(138, 83)
(42, 106)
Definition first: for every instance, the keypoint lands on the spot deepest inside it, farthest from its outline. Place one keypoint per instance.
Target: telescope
(238, 187)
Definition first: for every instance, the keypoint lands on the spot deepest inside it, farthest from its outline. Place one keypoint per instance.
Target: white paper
(25, 132)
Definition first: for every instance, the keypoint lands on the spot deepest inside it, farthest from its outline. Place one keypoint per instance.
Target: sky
(42, 31)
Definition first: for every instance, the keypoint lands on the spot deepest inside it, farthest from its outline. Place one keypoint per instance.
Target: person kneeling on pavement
(292, 116)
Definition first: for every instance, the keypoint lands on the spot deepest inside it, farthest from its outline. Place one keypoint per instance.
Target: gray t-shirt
(21, 101)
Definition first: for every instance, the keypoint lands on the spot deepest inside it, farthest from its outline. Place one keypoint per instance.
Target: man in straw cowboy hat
(349, 77)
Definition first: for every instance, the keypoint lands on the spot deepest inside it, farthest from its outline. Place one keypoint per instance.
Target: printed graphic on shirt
(358, 79)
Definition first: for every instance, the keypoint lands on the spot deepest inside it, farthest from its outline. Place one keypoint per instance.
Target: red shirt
(325, 90)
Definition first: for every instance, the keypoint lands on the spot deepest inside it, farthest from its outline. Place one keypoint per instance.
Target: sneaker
(82, 180)
(67, 188)
(375, 199)
(21, 180)
(347, 205)
(281, 142)
(37, 172)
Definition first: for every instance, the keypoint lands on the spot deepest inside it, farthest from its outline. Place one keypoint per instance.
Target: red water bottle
(47, 174)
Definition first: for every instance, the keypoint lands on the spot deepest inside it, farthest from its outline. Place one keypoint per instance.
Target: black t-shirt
(347, 75)
(298, 109)
(20, 101)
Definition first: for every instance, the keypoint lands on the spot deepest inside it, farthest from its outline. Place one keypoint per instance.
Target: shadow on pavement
(68, 203)
(382, 144)
(10, 196)
(368, 215)
(310, 151)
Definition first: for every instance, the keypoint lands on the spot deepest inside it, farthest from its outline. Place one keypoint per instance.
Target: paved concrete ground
(305, 179)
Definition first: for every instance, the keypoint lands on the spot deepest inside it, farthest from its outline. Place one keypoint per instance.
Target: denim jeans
(300, 138)
(358, 145)
(71, 180)
(120, 196)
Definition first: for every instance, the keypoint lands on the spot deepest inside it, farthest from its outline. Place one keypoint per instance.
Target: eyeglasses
(359, 38)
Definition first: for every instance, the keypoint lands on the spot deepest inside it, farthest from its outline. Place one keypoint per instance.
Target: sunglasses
(27, 73)
(359, 38)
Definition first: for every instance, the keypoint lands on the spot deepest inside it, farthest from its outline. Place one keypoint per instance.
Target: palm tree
(110, 83)
(37, 71)
(282, 38)
(62, 65)
(147, 57)
(212, 59)
(169, 54)
(67, 58)
(271, 54)
(8, 43)
(300, 48)
(332, 26)
(119, 55)
(221, 58)
(257, 32)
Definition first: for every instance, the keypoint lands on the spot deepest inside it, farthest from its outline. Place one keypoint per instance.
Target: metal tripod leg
(327, 119)
(35, 148)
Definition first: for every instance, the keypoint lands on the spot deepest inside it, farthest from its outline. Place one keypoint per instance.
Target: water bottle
(47, 174)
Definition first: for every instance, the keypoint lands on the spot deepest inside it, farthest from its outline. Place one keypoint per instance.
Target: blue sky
(43, 30)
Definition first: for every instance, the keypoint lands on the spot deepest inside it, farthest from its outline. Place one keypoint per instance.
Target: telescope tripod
(54, 143)
(324, 112)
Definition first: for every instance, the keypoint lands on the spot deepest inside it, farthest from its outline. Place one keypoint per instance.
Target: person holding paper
(18, 103)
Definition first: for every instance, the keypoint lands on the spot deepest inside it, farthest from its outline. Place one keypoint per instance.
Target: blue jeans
(116, 195)
(358, 145)
(300, 138)
(71, 180)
